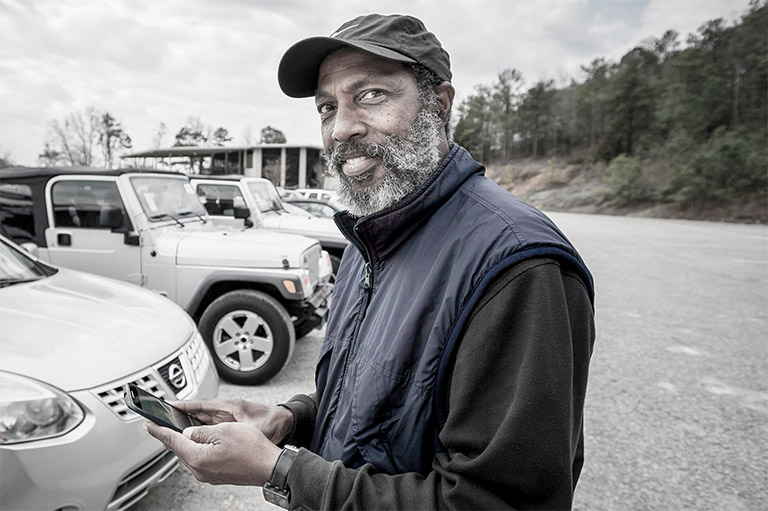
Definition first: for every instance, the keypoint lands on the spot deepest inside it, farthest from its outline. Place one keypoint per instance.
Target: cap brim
(299, 68)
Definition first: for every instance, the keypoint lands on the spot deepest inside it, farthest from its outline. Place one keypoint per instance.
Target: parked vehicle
(69, 342)
(317, 207)
(316, 193)
(225, 198)
(252, 292)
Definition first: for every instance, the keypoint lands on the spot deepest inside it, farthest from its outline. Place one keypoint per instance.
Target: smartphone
(157, 410)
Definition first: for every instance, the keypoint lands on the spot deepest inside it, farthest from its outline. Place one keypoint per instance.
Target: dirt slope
(554, 185)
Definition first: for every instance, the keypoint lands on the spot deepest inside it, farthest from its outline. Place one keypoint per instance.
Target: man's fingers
(171, 439)
(200, 434)
(210, 411)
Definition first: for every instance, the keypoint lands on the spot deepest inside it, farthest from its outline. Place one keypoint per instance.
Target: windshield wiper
(9, 282)
(192, 213)
(162, 216)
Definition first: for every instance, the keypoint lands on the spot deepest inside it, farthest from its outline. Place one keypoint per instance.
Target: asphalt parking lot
(677, 406)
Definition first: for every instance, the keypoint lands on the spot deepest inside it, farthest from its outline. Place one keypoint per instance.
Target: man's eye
(371, 94)
(325, 108)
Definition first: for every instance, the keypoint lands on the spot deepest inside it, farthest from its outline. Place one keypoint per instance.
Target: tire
(249, 334)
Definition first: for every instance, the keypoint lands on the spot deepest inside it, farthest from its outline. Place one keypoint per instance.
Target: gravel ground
(677, 406)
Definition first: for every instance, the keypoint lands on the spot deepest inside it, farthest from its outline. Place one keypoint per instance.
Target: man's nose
(348, 125)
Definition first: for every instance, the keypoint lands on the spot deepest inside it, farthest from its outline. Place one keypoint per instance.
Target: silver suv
(69, 342)
(252, 292)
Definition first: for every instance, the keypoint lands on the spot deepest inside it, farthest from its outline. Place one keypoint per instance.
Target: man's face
(378, 137)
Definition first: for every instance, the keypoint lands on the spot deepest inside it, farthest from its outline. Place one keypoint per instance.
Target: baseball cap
(395, 37)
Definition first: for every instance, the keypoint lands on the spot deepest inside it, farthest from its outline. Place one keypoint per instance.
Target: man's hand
(225, 453)
(276, 422)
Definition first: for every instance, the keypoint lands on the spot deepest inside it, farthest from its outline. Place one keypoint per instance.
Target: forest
(677, 122)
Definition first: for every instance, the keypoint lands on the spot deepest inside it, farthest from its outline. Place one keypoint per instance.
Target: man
(454, 365)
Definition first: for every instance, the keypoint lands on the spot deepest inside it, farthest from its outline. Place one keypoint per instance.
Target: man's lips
(358, 165)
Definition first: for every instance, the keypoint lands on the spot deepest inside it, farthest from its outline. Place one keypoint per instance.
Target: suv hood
(77, 331)
(316, 227)
(236, 248)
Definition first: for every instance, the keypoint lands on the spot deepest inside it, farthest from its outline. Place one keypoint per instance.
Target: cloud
(148, 62)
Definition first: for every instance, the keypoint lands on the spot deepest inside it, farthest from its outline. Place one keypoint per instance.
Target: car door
(80, 235)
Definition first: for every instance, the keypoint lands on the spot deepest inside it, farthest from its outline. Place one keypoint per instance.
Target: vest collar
(377, 234)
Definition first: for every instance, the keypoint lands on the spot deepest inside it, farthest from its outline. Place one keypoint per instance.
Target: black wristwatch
(276, 489)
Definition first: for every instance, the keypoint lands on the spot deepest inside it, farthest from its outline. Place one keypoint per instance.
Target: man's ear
(445, 94)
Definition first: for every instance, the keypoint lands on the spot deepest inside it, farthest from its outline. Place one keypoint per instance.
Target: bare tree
(50, 157)
(77, 138)
(112, 138)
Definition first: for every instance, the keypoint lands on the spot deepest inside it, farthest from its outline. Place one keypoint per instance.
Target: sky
(148, 62)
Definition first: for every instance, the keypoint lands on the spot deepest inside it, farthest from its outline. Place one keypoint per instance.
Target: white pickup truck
(251, 291)
(226, 197)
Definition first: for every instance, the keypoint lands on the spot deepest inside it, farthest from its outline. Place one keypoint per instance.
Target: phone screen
(153, 408)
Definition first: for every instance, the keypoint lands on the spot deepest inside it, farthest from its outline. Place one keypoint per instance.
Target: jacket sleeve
(513, 434)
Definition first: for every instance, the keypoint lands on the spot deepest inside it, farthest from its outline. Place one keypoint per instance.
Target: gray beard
(409, 161)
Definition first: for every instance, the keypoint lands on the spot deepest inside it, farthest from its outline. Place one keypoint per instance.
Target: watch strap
(276, 489)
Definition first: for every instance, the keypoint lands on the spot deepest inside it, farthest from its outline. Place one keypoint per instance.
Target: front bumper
(108, 461)
(320, 301)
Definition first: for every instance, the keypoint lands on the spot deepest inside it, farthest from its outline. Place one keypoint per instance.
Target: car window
(85, 204)
(16, 220)
(266, 196)
(317, 208)
(16, 266)
(164, 198)
(220, 199)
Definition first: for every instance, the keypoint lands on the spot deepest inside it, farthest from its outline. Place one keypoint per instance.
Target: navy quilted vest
(405, 288)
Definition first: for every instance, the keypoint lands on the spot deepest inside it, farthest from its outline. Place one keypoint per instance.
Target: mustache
(335, 156)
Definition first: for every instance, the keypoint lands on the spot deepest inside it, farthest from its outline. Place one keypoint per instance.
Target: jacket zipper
(368, 290)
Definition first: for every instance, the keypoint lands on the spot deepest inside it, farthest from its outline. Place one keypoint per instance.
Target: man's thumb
(199, 434)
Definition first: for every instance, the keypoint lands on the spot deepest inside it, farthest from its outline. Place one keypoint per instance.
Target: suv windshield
(164, 198)
(16, 266)
(266, 196)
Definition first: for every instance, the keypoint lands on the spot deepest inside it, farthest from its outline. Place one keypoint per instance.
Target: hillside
(555, 185)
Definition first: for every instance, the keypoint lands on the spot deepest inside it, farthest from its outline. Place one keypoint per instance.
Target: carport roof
(208, 150)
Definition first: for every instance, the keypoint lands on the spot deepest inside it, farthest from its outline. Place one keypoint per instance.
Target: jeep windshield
(266, 197)
(167, 198)
(17, 267)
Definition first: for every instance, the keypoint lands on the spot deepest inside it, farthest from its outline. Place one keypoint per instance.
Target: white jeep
(252, 292)
(254, 202)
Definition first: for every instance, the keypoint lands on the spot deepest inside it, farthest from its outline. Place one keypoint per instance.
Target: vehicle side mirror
(30, 247)
(111, 217)
(244, 212)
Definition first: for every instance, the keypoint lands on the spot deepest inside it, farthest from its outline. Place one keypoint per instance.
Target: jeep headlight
(306, 282)
(31, 410)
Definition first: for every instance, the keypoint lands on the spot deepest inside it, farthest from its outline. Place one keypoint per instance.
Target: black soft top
(17, 173)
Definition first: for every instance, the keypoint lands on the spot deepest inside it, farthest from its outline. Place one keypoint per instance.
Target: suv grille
(312, 257)
(194, 360)
(113, 396)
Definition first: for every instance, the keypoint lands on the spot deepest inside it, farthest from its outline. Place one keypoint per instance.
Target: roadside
(556, 185)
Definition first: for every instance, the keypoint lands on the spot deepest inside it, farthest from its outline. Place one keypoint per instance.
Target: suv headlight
(306, 283)
(31, 410)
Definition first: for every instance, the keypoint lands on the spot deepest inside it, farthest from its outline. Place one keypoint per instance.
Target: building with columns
(286, 165)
